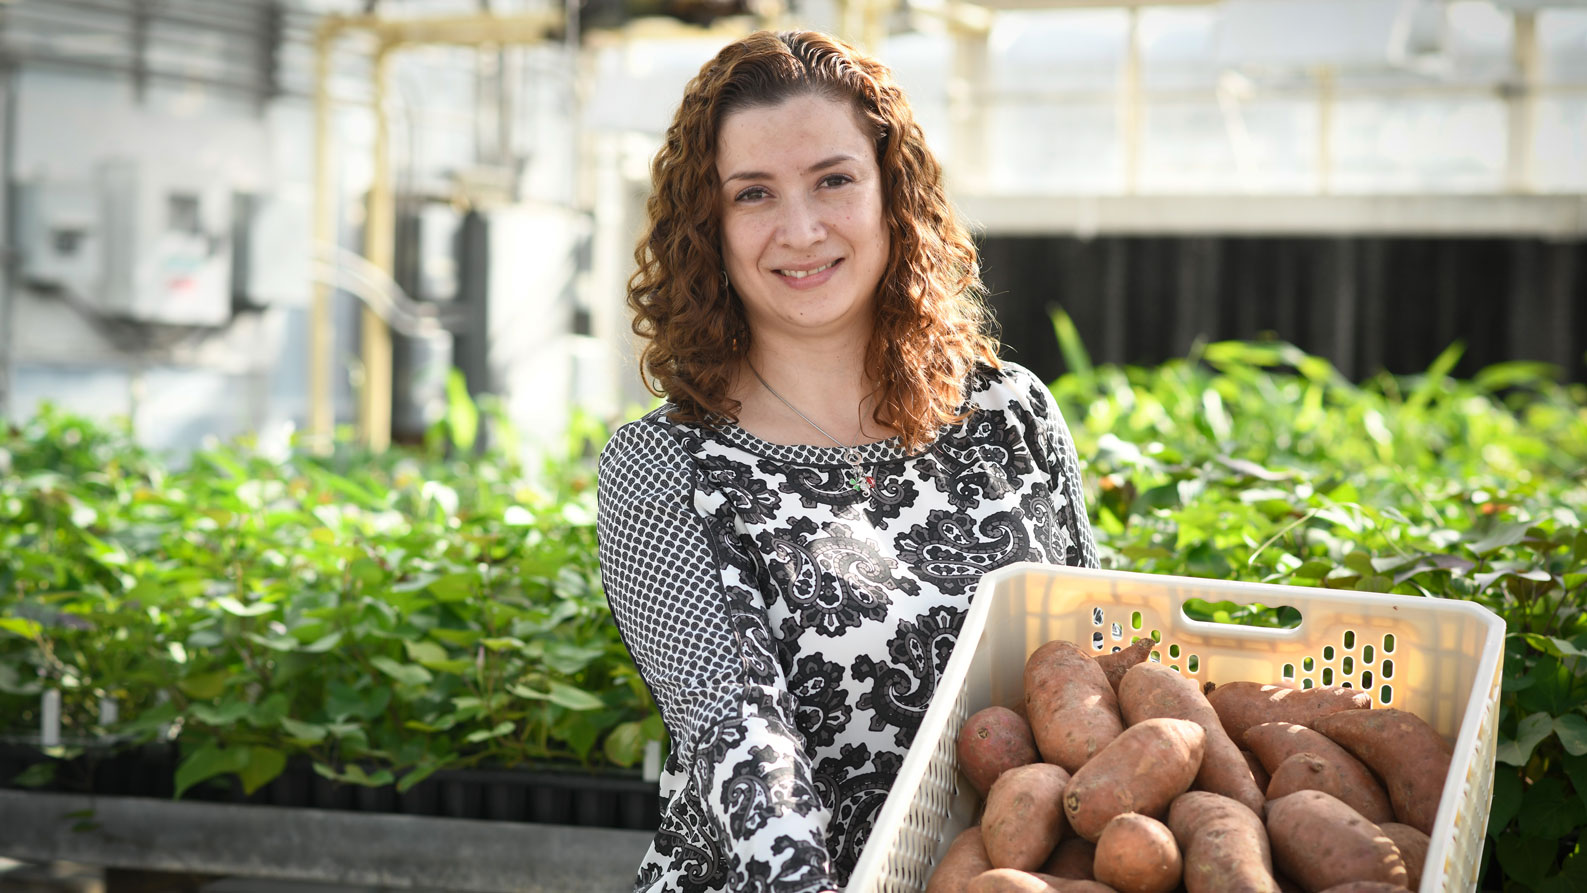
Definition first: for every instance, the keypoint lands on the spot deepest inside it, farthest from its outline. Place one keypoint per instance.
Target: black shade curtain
(1366, 304)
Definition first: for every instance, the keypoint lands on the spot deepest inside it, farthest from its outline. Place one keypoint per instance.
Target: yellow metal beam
(380, 227)
(322, 416)
(374, 393)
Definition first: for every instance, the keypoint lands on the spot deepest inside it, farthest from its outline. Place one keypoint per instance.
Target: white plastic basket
(1440, 659)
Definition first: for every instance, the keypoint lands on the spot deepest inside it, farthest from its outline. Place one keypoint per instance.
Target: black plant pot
(610, 799)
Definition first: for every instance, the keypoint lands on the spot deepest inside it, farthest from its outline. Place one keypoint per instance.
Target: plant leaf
(1507, 534)
(1572, 731)
(407, 674)
(572, 698)
(28, 629)
(207, 762)
(1532, 730)
(264, 764)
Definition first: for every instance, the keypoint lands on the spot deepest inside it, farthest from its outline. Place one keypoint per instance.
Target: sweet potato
(1413, 846)
(1073, 710)
(1024, 816)
(1142, 770)
(992, 741)
(1072, 859)
(1313, 772)
(1008, 880)
(1224, 845)
(1407, 753)
(1321, 842)
(1365, 887)
(1275, 742)
(1151, 690)
(965, 860)
(1115, 664)
(1241, 705)
(1258, 771)
(1137, 854)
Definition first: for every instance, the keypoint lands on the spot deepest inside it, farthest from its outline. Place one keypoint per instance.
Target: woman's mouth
(802, 274)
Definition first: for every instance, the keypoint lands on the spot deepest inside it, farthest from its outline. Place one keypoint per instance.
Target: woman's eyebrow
(821, 165)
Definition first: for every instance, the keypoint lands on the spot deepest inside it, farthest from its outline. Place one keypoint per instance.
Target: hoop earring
(727, 286)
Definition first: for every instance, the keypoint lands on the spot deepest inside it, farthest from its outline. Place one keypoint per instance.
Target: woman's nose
(802, 224)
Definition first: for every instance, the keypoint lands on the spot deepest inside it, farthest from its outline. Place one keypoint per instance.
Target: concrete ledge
(394, 851)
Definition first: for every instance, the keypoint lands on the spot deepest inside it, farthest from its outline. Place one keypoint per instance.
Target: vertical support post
(374, 399)
(140, 49)
(1325, 130)
(967, 110)
(8, 234)
(873, 23)
(322, 417)
(1521, 103)
(1131, 105)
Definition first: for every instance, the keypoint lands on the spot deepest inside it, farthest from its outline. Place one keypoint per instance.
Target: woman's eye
(754, 193)
(832, 180)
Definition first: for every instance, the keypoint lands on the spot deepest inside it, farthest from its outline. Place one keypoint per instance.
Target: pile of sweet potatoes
(1118, 773)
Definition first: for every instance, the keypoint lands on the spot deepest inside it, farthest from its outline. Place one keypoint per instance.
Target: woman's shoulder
(1007, 386)
(657, 439)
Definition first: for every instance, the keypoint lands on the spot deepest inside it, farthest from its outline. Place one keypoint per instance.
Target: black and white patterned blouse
(792, 630)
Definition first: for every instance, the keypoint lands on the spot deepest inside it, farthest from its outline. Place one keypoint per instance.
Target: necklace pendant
(862, 482)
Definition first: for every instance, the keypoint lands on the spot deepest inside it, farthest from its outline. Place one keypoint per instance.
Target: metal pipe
(322, 333)
(8, 274)
(1521, 103)
(30, 57)
(1325, 129)
(228, 24)
(374, 398)
(1131, 106)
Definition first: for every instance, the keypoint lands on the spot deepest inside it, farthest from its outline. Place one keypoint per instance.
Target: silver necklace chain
(860, 480)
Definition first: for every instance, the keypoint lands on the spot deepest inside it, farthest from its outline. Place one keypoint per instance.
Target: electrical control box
(137, 242)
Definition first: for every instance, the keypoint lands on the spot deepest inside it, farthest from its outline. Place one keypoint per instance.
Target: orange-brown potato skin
(1321, 843)
(1364, 887)
(993, 741)
(1312, 772)
(965, 860)
(1275, 742)
(1116, 663)
(1142, 770)
(1407, 753)
(1413, 846)
(1241, 705)
(1073, 710)
(1258, 771)
(1137, 854)
(1007, 880)
(1224, 845)
(1151, 690)
(1072, 859)
(1024, 816)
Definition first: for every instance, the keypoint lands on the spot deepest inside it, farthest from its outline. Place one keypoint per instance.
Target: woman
(790, 543)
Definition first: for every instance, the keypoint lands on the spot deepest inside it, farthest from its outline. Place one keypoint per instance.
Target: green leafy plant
(1255, 461)
(390, 615)
(384, 616)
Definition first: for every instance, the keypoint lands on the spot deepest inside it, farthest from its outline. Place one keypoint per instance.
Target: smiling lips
(798, 275)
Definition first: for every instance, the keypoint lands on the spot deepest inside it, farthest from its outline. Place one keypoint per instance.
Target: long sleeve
(683, 596)
(1057, 453)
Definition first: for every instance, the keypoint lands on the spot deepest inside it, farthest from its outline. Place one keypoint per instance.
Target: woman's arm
(686, 605)
(1063, 466)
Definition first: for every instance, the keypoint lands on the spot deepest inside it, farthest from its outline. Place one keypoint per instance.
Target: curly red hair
(930, 318)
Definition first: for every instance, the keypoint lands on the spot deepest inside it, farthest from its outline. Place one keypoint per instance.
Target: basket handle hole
(1236, 614)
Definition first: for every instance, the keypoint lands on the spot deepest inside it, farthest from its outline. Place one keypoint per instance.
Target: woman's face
(803, 234)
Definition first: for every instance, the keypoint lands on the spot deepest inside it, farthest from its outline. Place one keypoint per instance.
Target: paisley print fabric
(793, 630)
